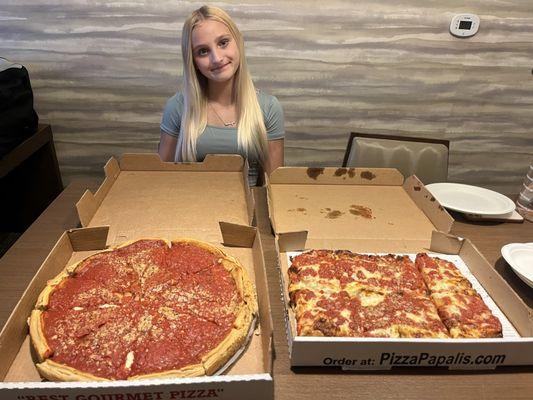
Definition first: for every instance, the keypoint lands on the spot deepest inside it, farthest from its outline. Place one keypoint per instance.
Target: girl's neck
(220, 92)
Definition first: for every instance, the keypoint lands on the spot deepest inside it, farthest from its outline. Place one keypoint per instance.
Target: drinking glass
(524, 203)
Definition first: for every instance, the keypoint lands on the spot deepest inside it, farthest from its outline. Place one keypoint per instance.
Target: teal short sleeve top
(223, 140)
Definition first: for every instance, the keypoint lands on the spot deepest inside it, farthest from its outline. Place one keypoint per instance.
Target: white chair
(425, 158)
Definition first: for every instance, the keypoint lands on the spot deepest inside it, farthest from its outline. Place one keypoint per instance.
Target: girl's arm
(167, 147)
(276, 154)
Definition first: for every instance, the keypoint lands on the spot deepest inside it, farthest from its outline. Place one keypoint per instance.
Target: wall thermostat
(464, 25)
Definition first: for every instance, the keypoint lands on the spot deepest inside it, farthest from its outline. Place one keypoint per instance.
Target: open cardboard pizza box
(144, 197)
(377, 211)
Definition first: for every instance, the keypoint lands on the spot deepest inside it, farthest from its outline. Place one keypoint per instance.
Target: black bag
(18, 119)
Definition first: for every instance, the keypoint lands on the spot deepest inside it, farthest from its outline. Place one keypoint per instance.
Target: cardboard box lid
(142, 196)
(374, 204)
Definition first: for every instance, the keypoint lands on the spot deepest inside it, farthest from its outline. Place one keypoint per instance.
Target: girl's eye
(224, 42)
(201, 52)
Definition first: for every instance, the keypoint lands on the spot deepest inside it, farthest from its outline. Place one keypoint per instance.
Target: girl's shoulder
(174, 105)
(267, 102)
(264, 98)
(176, 99)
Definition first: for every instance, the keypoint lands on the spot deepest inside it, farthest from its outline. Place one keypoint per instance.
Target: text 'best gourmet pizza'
(146, 309)
(340, 293)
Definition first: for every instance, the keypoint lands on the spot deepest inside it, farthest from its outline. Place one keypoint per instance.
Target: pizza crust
(189, 371)
(220, 355)
(54, 371)
(130, 242)
(211, 362)
(203, 245)
(40, 344)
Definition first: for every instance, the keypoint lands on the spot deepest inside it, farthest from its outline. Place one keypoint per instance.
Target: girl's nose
(216, 56)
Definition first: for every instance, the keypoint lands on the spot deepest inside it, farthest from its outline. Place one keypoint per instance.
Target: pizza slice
(387, 273)
(466, 315)
(320, 314)
(309, 279)
(87, 344)
(213, 300)
(441, 275)
(402, 314)
(367, 314)
(167, 347)
(313, 271)
(79, 287)
(332, 271)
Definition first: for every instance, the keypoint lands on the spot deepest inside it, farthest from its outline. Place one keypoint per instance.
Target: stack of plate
(520, 257)
(472, 200)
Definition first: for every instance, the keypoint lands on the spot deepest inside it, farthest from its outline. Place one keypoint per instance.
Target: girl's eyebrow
(223, 36)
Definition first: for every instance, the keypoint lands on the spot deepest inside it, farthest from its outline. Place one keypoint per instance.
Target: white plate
(520, 257)
(471, 199)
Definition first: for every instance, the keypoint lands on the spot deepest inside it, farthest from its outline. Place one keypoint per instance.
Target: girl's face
(215, 52)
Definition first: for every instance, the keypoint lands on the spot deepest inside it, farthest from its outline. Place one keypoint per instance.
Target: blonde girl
(219, 110)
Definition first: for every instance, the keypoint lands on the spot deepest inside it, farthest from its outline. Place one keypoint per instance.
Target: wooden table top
(20, 263)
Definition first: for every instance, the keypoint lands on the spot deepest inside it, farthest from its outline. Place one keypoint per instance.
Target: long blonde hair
(251, 130)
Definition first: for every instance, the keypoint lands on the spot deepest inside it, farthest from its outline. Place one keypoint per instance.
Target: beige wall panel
(102, 71)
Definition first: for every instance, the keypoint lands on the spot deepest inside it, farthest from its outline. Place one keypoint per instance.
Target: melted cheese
(129, 359)
(370, 299)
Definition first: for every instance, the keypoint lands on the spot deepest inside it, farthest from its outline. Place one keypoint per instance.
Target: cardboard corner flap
(289, 241)
(237, 235)
(112, 168)
(445, 243)
(86, 207)
(89, 202)
(428, 204)
(93, 238)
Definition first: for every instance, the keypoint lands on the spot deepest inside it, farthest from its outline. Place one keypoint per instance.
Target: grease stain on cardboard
(299, 209)
(333, 214)
(361, 211)
(368, 175)
(355, 209)
(313, 173)
(344, 171)
(340, 171)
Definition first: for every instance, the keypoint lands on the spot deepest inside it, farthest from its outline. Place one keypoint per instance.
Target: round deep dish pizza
(150, 308)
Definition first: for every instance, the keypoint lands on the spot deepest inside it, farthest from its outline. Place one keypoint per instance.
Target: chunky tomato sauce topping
(141, 309)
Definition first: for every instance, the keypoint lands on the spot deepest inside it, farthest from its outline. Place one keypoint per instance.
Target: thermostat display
(464, 25)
